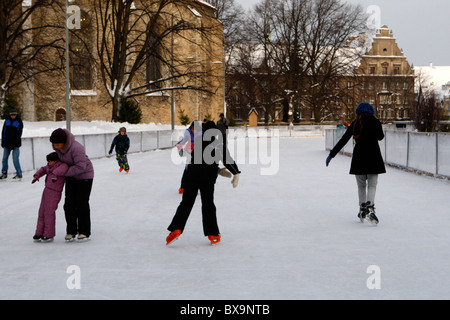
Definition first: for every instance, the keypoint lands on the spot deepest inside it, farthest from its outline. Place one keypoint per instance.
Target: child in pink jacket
(54, 184)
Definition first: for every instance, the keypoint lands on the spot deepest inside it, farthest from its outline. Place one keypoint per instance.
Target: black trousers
(210, 227)
(76, 206)
(122, 160)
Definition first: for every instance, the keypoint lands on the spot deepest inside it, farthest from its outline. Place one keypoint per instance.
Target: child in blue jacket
(122, 144)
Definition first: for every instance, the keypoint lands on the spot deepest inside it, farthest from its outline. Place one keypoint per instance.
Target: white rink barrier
(34, 149)
(415, 151)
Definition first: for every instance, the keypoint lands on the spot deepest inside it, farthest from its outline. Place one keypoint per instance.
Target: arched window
(153, 65)
(81, 73)
(60, 115)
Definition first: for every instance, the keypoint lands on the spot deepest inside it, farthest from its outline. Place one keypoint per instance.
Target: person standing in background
(11, 143)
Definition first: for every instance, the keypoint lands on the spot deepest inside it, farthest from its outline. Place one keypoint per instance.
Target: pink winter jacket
(56, 170)
(74, 155)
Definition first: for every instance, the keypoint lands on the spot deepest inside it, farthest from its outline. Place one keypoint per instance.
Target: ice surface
(293, 235)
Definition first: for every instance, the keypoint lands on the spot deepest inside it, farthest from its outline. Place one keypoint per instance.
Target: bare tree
(232, 16)
(136, 48)
(21, 58)
(306, 48)
(426, 112)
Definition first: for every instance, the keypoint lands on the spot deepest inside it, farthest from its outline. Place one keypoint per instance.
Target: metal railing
(415, 151)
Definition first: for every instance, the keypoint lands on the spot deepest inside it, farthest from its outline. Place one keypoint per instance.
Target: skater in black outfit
(122, 144)
(201, 175)
(367, 161)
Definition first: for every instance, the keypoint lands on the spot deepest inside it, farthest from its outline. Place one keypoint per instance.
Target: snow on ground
(289, 236)
(45, 128)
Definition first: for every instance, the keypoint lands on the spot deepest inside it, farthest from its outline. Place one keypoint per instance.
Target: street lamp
(68, 114)
(72, 22)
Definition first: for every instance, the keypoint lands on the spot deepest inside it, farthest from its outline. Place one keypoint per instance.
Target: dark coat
(202, 170)
(122, 144)
(367, 158)
(12, 133)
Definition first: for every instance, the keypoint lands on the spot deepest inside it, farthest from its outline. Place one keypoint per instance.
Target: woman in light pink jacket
(54, 184)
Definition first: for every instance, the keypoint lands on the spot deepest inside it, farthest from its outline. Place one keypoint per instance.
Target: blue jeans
(15, 157)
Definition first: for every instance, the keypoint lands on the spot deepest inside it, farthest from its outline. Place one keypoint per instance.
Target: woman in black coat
(367, 161)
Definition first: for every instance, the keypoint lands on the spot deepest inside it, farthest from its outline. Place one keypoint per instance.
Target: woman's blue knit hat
(365, 108)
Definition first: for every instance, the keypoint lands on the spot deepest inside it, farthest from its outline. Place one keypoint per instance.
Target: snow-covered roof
(347, 59)
(205, 4)
(434, 78)
(253, 110)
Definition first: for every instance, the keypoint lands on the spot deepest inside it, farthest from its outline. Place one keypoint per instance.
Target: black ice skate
(371, 213)
(4, 175)
(46, 239)
(363, 211)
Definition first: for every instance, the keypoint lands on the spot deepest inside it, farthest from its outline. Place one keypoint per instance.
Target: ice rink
(288, 236)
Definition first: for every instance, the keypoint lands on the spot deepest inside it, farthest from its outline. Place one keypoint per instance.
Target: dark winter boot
(371, 213)
(4, 175)
(363, 211)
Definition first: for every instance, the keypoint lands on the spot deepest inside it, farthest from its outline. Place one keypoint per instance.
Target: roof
(434, 77)
(256, 55)
(202, 2)
(253, 110)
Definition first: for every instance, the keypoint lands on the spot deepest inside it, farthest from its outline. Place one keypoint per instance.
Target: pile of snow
(45, 128)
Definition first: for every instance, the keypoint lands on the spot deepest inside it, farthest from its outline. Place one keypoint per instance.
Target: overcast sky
(422, 27)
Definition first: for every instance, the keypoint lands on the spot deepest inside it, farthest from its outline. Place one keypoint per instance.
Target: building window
(384, 70)
(405, 100)
(372, 70)
(60, 115)
(363, 86)
(384, 99)
(396, 70)
(405, 85)
(153, 63)
(385, 86)
(81, 65)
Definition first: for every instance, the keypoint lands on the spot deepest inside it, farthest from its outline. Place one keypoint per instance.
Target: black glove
(110, 151)
(34, 180)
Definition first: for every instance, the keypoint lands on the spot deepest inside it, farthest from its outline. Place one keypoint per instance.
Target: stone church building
(44, 97)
